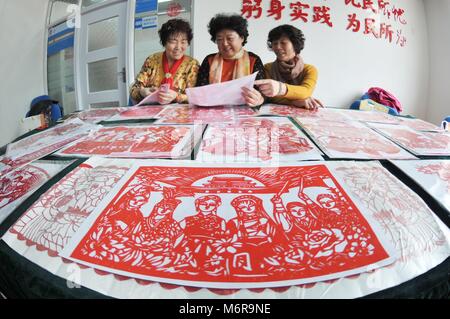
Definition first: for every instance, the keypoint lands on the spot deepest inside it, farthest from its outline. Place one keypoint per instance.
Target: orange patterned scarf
(241, 68)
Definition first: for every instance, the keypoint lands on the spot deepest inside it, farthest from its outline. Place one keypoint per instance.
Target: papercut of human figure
(257, 232)
(161, 224)
(203, 233)
(296, 219)
(128, 216)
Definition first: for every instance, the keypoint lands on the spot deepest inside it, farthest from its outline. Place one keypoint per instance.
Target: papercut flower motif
(359, 243)
(229, 245)
(325, 242)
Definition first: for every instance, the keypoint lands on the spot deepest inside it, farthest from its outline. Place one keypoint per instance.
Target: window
(147, 24)
(60, 53)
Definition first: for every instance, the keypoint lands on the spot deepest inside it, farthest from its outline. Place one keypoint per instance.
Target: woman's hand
(271, 88)
(252, 97)
(167, 97)
(144, 91)
(311, 104)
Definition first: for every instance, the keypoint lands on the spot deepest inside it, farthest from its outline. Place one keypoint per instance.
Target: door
(100, 58)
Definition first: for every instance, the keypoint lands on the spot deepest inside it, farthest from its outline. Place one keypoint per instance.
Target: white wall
(349, 63)
(438, 19)
(21, 61)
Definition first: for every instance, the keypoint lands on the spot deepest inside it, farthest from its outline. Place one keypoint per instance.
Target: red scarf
(169, 73)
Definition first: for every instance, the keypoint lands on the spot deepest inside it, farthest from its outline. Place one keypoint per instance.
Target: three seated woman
(287, 80)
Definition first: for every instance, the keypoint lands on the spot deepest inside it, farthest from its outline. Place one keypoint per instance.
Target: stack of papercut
(418, 142)
(351, 139)
(255, 140)
(152, 141)
(41, 144)
(186, 114)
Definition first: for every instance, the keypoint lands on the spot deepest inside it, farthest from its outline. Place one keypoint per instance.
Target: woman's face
(207, 206)
(176, 46)
(327, 202)
(283, 49)
(298, 211)
(229, 43)
(247, 207)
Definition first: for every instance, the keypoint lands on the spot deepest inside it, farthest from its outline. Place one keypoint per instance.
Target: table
(19, 278)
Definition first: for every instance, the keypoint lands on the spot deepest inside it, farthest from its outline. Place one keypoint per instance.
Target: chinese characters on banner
(378, 18)
(298, 10)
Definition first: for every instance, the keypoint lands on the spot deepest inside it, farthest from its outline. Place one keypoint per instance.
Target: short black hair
(233, 22)
(295, 36)
(175, 26)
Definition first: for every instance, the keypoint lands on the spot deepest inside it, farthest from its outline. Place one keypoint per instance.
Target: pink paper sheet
(293, 111)
(256, 139)
(150, 99)
(351, 139)
(418, 142)
(138, 112)
(187, 114)
(98, 115)
(229, 92)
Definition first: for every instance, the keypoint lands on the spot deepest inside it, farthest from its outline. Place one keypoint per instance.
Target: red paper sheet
(229, 227)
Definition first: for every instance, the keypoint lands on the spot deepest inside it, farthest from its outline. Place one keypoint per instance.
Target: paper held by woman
(225, 93)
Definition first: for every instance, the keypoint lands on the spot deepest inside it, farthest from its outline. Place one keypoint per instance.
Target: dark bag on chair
(45, 105)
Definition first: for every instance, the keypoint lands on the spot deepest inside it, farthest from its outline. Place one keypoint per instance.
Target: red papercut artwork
(185, 114)
(400, 212)
(419, 125)
(51, 138)
(139, 112)
(134, 141)
(286, 110)
(56, 216)
(352, 140)
(21, 183)
(442, 170)
(419, 142)
(97, 115)
(7, 165)
(228, 226)
(371, 116)
(251, 9)
(322, 15)
(276, 9)
(297, 11)
(26, 151)
(256, 139)
(18, 183)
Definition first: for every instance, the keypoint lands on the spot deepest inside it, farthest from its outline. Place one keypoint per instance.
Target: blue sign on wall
(146, 22)
(146, 6)
(60, 38)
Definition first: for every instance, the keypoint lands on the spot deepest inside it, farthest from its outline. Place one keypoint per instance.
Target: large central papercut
(229, 227)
